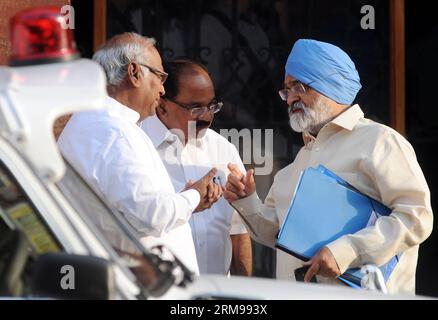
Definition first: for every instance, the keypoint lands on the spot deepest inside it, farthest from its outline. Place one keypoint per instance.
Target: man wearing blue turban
(320, 86)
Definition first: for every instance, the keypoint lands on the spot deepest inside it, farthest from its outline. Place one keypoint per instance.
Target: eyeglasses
(296, 88)
(160, 74)
(299, 88)
(213, 107)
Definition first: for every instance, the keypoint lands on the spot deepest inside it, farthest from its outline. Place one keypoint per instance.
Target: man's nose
(206, 116)
(162, 90)
(291, 98)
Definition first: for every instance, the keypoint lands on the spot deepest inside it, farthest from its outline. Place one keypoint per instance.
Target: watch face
(218, 180)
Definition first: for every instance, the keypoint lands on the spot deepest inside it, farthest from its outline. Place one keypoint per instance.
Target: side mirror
(69, 276)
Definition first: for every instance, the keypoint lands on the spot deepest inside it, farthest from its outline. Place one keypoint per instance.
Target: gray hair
(115, 55)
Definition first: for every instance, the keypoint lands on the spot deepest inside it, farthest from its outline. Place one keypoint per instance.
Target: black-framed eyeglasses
(160, 74)
(212, 107)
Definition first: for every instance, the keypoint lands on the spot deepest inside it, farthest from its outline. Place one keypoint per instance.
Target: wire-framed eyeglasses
(296, 88)
(160, 74)
(213, 107)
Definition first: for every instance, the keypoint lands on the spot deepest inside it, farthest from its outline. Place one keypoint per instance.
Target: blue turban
(325, 68)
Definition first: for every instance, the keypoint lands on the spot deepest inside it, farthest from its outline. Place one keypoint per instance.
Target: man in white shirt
(116, 157)
(321, 84)
(180, 132)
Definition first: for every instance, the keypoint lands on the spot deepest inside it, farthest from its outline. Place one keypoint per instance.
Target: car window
(18, 212)
(24, 236)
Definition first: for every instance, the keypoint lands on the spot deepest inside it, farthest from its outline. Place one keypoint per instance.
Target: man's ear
(134, 73)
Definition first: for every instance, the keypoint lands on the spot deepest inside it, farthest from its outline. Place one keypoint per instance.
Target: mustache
(202, 124)
(297, 105)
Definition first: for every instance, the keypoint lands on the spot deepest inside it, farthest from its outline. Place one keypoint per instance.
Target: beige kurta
(379, 162)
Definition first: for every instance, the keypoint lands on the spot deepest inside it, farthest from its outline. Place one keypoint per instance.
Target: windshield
(154, 274)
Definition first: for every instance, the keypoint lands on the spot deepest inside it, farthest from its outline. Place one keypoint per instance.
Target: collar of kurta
(158, 132)
(346, 120)
(118, 110)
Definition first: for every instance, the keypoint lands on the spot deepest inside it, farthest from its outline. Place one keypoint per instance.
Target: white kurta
(211, 228)
(117, 158)
(380, 163)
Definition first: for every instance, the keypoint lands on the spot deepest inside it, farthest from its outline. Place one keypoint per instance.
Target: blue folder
(324, 208)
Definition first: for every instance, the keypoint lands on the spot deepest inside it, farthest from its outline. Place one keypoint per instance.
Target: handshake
(238, 186)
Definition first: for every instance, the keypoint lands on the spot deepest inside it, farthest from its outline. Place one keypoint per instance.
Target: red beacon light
(40, 36)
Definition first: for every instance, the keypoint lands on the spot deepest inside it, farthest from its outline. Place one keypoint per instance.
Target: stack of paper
(324, 208)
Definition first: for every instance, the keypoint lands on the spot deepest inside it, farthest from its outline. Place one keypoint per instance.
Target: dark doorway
(422, 120)
(84, 26)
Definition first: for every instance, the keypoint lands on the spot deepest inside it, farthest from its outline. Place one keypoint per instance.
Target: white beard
(310, 119)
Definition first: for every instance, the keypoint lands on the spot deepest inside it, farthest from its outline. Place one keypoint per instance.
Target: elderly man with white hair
(117, 158)
(320, 86)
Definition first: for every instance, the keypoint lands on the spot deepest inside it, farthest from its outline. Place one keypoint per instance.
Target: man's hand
(323, 264)
(214, 192)
(238, 185)
(209, 191)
